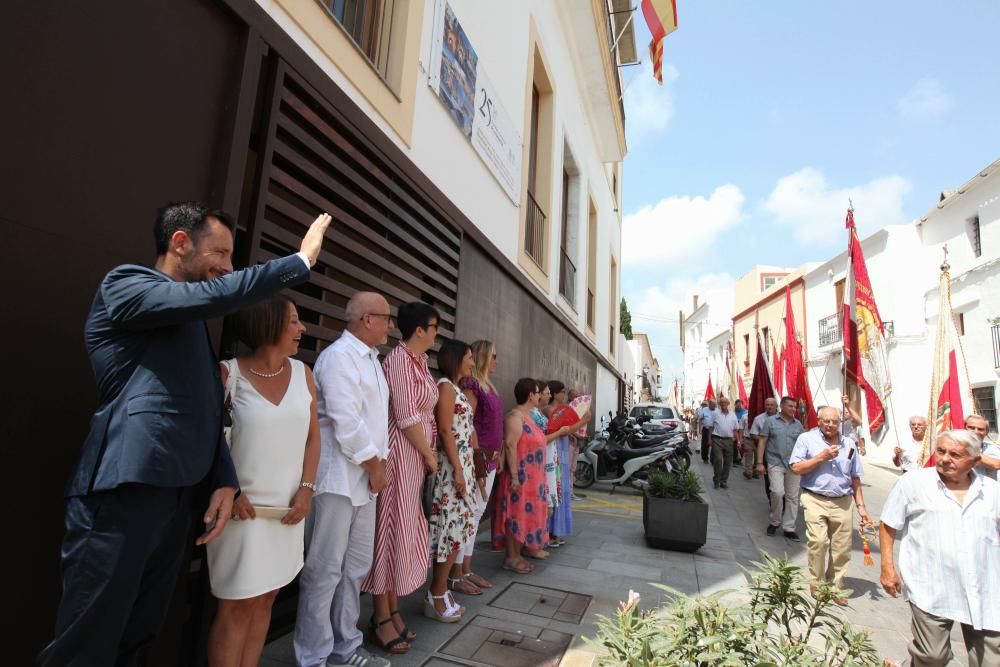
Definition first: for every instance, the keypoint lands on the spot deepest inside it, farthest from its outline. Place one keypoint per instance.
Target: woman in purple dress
(488, 417)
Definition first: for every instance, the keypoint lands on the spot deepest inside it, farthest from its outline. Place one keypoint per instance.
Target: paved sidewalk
(538, 621)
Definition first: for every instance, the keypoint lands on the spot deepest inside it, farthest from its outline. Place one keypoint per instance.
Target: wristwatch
(308, 485)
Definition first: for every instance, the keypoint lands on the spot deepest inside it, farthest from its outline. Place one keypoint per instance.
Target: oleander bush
(780, 624)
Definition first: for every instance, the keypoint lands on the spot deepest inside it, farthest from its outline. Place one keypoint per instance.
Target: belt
(823, 495)
(722, 437)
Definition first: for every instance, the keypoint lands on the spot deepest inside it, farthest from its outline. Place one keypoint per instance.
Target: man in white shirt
(990, 461)
(906, 455)
(724, 425)
(353, 405)
(705, 416)
(948, 522)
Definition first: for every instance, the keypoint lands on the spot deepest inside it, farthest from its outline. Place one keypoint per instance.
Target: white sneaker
(362, 658)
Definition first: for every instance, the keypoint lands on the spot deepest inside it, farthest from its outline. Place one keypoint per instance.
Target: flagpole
(844, 319)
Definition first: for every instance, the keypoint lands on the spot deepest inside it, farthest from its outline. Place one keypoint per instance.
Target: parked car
(657, 418)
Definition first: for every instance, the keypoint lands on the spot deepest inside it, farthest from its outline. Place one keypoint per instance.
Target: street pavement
(540, 618)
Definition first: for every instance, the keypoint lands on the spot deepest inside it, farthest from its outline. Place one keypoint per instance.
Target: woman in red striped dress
(399, 565)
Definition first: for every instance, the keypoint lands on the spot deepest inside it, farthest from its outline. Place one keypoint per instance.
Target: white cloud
(649, 107)
(655, 310)
(675, 228)
(814, 210)
(926, 100)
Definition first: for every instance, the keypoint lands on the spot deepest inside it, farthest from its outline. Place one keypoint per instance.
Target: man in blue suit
(157, 432)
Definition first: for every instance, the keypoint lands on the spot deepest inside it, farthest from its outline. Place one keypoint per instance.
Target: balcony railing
(590, 308)
(567, 277)
(829, 330)
(534, 232)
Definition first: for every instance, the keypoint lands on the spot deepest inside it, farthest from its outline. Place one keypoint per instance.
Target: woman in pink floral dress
(456, 494)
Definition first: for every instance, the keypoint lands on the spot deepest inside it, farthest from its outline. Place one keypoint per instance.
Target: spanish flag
(661, 17)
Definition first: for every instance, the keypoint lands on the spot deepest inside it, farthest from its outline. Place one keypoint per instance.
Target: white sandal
(452, 611)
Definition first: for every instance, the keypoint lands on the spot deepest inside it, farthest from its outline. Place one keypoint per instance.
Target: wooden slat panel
(346, 291)
(363, 253)
(382, 175)
(358, 180)
(446, 280)
(359, 202)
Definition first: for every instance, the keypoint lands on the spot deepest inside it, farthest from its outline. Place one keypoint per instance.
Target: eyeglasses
(829, 421)
(389, 319)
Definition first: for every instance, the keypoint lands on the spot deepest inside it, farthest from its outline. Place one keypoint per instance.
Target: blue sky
(772, 114)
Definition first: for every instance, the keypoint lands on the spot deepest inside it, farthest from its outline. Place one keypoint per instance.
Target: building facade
(710, 315)
(470, 154)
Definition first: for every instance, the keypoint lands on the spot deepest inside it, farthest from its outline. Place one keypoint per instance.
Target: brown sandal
(397, 646)
(463, 585)
(483, 584)
(519, 565)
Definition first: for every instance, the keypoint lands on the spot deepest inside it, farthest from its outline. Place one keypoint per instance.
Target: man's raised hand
(312, 242)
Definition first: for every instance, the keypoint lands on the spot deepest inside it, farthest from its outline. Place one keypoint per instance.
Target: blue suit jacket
(160, 415)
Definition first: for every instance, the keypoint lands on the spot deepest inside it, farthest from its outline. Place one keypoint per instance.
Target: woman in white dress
(275, 447)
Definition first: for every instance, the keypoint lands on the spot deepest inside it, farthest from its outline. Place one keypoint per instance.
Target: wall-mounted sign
(458, 78)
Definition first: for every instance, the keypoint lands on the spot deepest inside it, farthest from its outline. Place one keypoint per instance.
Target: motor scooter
(608, 459)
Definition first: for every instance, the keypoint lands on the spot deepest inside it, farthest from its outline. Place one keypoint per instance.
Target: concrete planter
(676, 525)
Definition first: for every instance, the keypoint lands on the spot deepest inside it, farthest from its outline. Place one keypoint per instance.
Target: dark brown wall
(109, 109)
(530, 342)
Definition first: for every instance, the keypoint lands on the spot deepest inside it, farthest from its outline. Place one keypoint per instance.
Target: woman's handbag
(427, 495)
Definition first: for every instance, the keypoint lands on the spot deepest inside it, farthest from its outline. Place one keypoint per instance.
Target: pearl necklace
(268, 375)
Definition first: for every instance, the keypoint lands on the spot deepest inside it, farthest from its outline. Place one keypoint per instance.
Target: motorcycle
(609, 457)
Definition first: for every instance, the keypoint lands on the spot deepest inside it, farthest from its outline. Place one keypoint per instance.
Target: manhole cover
(545, 602)
(491, 641)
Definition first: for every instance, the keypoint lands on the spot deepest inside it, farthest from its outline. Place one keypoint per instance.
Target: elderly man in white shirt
(353, 406)
(724, 427)
(906, 455)
(989, 464)
(947, 519)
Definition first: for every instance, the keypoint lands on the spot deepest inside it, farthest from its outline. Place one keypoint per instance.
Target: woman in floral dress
(521, 505)
(456, 494)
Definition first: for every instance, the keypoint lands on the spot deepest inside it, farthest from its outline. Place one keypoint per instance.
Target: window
(746, 346)
(569, 228)
(767, 282)
(986, 405)
(539, 162)
(838, 291)
(591, 266)
(368, 22)
(959, 323)
(614, 184)
(613, 306)
(767, 343)
(975, 239)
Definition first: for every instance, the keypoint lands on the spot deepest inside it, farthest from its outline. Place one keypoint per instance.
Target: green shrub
(781, 625)
(685, 485)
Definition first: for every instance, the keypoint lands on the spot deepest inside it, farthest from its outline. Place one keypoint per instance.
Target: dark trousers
(120, 560)
(706, 443)
(722, 458)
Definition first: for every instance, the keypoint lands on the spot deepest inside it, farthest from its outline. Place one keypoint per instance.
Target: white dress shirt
(949, 553)
(909, 459)
(725, 424)
(353, 407)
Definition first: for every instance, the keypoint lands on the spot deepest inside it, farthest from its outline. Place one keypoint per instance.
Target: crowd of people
(945, 516)
(357, 476)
